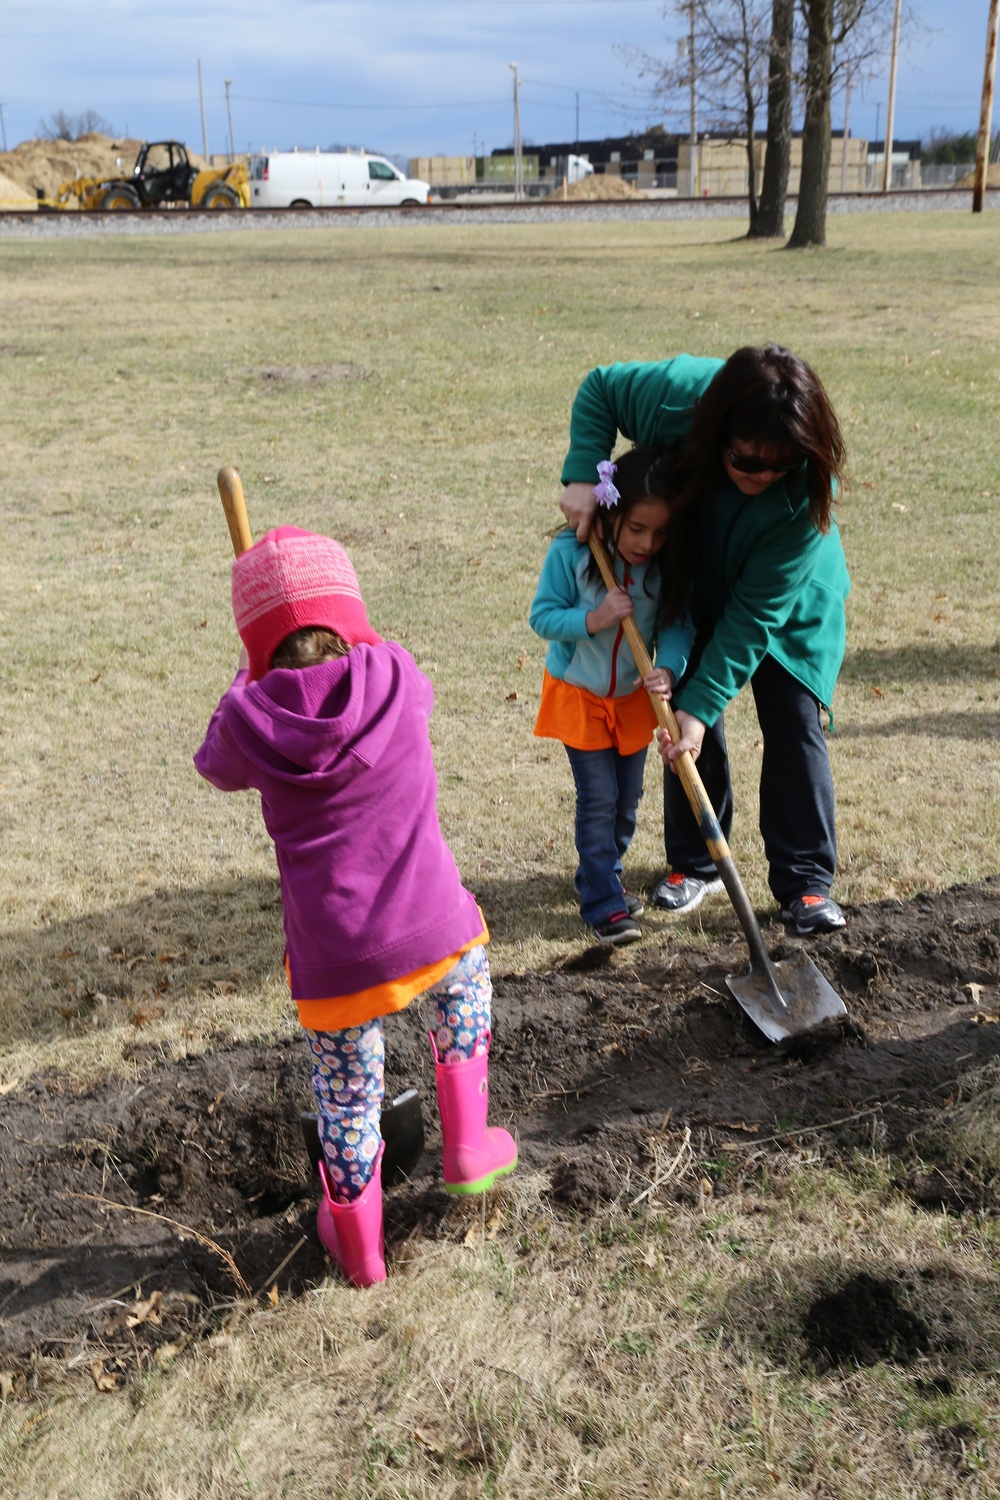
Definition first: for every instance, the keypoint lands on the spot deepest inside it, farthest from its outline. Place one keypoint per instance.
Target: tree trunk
(752, 165)
(769, 221)
(810, 220)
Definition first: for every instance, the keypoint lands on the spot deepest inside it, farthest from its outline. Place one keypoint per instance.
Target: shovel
(782, 998)
(402, 1122)
(402, 1128)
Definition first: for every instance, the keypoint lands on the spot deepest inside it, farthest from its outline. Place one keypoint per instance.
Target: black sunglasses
(746, 464)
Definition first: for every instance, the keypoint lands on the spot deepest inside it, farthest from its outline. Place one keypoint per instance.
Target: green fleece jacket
(769, 583)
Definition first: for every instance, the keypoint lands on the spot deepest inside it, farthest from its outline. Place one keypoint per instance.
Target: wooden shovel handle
(702, 808)
(693, 785)
(235, 506)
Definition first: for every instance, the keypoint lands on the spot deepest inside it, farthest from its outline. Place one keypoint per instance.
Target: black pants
(796, 792)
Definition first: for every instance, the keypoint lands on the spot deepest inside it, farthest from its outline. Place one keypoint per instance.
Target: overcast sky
(408, 77)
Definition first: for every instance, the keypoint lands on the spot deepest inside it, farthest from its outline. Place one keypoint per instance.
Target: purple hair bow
(605, 491)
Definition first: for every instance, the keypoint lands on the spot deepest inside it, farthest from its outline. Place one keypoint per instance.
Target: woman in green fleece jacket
(758, 555)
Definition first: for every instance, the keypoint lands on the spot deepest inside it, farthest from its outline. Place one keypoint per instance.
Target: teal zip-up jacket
(603, 664)
(777, 586)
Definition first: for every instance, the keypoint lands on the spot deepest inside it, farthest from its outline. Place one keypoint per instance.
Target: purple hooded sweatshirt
(341, 756)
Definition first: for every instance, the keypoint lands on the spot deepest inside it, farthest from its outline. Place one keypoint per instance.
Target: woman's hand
(660, 681)
(578, 504)
(692, 735)
(613, 608)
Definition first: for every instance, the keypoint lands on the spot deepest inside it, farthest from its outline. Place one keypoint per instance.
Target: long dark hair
(768, 398)
(642, 473)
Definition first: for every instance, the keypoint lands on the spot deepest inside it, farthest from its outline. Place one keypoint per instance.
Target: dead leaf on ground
(146, 1311)
(143, 1015)
(431, 1444)
(103, 1379)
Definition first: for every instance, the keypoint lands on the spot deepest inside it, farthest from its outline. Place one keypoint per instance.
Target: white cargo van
(321, 179)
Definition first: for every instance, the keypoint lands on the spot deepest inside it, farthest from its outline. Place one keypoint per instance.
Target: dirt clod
(862, 1324)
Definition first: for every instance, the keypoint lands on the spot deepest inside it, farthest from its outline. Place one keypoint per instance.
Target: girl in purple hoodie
(330, 724)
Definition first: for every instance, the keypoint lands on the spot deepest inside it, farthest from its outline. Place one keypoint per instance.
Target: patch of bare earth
(276, 376)
(191, 1185)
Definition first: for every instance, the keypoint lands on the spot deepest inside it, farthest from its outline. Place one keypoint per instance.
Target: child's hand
(613, 608)
(660, 680)
(692, 735)
(578, 504)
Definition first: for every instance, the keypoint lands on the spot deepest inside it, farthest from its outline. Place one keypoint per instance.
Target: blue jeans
(608, 789)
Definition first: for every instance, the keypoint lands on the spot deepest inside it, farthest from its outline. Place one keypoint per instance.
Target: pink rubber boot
(352, 1232)
(475, 1154)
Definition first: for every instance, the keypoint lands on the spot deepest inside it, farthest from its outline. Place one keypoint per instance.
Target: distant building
(655, 161)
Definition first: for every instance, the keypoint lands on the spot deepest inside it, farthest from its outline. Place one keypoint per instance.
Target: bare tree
(730, 65)
(770, 221)
(64, 126)
(810, 218)
(845, 39)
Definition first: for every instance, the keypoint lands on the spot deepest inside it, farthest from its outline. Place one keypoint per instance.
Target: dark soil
(589, 1062)
(862, 1324)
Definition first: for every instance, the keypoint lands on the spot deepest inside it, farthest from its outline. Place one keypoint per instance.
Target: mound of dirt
(13, 195)
(598, 186)
(45, 165)
(992, 177)
(862, 1324)
(192, 1181)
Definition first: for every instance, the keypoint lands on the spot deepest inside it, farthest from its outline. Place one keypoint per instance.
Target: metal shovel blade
(402, 1127)
(786, 998)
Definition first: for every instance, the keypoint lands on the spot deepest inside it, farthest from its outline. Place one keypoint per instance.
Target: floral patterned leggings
(348, 1070)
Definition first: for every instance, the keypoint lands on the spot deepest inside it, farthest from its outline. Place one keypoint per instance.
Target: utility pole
(518, 162)
(229, 113)
(693, 75)
(3, 127)
(986, 109)
(891, 106)
(577, 141)
(204, 132)
(847, 133)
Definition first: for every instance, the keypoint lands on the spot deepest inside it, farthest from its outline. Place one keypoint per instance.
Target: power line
(325, 104)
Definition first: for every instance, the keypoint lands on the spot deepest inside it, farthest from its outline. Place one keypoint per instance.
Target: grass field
(409, 392)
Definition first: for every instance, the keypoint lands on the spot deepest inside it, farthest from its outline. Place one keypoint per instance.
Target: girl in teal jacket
(762, 557)
(593, 699)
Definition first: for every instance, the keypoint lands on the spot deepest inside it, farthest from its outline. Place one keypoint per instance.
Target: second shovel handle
(693, 785)
(235, 506)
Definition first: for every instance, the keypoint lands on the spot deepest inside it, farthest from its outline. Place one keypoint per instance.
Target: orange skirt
(338, 1012)
(585, 722)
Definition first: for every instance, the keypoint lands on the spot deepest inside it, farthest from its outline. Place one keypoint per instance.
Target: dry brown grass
(652, 1356)
(409, 390)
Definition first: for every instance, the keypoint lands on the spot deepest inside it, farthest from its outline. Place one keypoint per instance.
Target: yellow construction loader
(163, 174)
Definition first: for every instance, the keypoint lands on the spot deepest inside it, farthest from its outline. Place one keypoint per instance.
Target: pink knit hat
(291, 579)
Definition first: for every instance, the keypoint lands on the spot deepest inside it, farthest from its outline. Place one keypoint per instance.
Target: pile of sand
(969, 180)
(13, 195)
(598, 186)
(46, 165)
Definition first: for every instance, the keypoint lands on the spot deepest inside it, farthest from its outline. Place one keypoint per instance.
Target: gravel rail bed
(55, 225)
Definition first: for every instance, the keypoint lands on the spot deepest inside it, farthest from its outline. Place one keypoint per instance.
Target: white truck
(324, 179)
